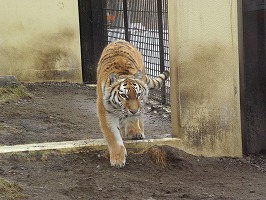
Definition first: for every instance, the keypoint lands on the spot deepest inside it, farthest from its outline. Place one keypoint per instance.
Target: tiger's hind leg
(134, 128)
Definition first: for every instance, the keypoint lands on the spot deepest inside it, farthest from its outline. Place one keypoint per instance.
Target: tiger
(122, 89)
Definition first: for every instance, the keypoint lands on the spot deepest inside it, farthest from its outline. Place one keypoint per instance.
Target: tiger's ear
(138, 75)
(113, 77)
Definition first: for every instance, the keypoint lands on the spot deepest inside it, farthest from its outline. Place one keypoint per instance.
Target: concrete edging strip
(94, 144)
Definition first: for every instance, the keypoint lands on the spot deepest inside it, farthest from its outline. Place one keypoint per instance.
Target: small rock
(184, 196)
(8, 81)
(165, 115)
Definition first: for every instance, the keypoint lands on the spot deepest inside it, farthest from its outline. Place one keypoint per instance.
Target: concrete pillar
(205, 55)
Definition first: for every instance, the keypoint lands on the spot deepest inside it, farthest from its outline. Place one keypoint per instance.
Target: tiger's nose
(133, 112)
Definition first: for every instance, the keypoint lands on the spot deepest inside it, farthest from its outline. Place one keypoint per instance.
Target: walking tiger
(122, 89)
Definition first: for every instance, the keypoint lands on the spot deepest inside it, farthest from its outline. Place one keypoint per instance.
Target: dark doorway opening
(91, 20)
(254, 77)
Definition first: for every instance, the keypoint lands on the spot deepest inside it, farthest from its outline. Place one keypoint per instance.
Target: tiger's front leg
(109, 126)
(134, 127)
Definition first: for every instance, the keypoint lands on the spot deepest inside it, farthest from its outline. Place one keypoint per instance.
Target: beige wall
(204, 60)
(39, 40)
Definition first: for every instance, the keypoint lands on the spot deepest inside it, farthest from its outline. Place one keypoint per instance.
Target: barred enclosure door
(143, 23)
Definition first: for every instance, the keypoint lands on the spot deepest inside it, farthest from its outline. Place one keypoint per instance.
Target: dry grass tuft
(158, 155)
(11, 191)
(13, 93)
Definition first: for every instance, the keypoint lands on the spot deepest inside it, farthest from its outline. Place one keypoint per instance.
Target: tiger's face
(126, 96)
(131, 94)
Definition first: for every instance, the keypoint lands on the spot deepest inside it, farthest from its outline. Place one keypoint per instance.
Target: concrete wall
(205, 62)
(39, 40)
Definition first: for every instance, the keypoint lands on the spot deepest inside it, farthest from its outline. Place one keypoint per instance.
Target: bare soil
(64, 111)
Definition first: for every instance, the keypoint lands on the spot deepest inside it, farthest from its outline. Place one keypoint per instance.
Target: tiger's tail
(156, 83)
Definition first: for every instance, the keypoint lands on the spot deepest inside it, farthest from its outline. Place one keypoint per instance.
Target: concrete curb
(93, 144)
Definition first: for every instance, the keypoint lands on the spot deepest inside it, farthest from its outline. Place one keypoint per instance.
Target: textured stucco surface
(204, 59)
(40, 40)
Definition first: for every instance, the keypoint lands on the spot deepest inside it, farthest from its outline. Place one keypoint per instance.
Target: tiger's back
(119, 57)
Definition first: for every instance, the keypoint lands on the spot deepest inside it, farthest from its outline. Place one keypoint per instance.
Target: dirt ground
(64, 111)
(61, 112)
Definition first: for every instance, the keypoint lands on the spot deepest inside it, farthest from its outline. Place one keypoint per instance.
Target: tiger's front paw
(118, 156)
(137, 136)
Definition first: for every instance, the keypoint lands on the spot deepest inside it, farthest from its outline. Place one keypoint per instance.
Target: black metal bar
(99, 18)
(92, 18)
(125, 20)
(161, 46)
(87, 43)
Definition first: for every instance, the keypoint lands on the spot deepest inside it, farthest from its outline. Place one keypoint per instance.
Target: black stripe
(159, 77)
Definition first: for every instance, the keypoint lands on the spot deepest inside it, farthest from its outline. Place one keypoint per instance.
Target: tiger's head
(127, 93)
